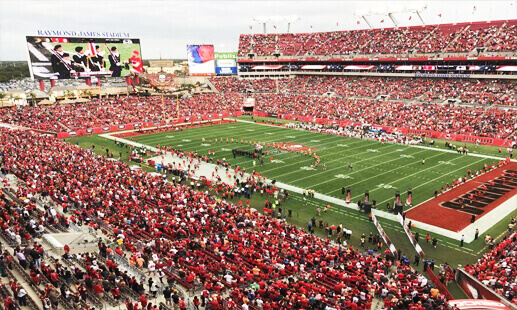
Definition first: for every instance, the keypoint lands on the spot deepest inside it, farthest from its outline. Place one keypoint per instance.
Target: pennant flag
(274, 26)
(91, 49)
(337, 24)
(311, 26)
(410, 17)
(358, 22)
(251, 27)
(440, 15)
(382, 21)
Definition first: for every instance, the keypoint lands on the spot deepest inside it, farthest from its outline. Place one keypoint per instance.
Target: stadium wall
(474, 289)
(372, 74)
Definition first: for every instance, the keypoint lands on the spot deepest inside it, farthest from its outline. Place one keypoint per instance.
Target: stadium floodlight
(418, 9)
(291, 20)
(277, 19)
(262, 20)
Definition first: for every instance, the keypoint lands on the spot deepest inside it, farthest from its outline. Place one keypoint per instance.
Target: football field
(381, 169)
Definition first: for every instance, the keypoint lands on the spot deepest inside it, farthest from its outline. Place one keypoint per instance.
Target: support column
(41, 85)
(88, 81)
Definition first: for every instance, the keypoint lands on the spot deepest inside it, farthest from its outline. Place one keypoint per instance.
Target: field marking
(408, 145)
(456, 152)
(222, 130)
(433, 180)
(388, 171)
(156, 137)
(369, 167)
(330, 161)
(322, 156)
(407, 176)
(194, 142)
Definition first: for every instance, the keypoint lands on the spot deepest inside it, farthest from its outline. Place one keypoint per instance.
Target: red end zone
(454, 218)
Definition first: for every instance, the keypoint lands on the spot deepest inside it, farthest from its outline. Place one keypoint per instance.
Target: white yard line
(356, 171)
(326, 162)
(455, 152)
(410, 145)
(432, 180)
(390, 171)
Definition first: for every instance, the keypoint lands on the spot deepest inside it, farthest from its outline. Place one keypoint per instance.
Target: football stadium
(284, 157)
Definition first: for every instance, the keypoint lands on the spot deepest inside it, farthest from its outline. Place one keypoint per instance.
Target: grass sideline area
(369, 171)
(439, 143)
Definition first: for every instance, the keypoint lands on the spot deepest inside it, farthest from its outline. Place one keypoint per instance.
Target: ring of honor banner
(71, 58)
(201, 60)
(384, 236)
(411, 237)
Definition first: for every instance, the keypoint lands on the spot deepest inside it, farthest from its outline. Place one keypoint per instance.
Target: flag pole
(177, 107)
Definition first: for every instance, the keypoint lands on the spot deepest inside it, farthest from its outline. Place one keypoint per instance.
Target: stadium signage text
(90, 34)
(225, 55)
(444, 75)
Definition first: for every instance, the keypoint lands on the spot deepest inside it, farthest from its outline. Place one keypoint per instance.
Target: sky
(167, 27)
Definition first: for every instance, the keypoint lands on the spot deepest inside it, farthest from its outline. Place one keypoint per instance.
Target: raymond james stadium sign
(89, 34)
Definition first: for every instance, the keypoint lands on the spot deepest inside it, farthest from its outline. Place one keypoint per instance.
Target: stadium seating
(149, 219)
(392, 102)
(457, 38)
(496, 268)
(425, 90)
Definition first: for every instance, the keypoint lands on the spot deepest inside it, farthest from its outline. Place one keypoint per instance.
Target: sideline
(410, 145)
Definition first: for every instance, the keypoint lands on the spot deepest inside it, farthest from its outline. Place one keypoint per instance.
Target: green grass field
(381, 169)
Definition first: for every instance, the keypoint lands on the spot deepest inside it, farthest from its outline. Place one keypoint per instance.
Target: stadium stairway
(212, 87)
(427, 37)
(377, 303)
(487, 43)
(456, 37)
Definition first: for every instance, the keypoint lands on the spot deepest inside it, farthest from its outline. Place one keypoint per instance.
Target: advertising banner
(225, 63)
(201, 60)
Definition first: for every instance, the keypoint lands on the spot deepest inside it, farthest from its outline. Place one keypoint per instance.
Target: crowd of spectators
(193, 238)
(442, 118)
(496, 268)
(458, 38)
(500, 92)
(301, 101)
(115, 111)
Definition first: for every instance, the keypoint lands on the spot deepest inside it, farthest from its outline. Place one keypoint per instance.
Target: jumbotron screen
(201, 60)
(71, 58)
